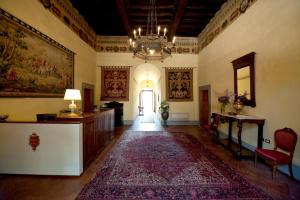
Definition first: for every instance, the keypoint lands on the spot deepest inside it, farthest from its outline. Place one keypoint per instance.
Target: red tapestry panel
(115, 83)
(179, 84)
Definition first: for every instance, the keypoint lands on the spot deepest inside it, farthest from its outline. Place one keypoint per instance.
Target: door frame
(87, 86)
(202, 88)
(153, 98)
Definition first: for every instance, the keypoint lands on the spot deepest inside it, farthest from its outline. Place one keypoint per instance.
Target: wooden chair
(285, 139)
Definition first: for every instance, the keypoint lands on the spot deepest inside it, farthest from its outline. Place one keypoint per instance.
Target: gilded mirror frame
(245, 61)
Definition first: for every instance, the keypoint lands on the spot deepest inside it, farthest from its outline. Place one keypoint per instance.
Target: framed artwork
(115, 83)
(179, 84)
(31, 63)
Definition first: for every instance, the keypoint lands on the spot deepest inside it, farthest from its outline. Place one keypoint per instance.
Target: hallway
(147, 122)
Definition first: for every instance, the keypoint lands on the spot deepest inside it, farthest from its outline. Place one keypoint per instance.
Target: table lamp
(72, 94)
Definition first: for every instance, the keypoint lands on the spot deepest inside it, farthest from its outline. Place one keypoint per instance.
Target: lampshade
(72, 94)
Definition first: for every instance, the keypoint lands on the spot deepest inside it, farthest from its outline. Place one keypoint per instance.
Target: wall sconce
(72, 94)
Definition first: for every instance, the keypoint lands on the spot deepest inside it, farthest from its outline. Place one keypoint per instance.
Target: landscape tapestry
(115, 83)
(31, 63)
(179, 84)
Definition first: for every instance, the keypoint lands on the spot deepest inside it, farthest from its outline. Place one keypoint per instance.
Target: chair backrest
(286, 140)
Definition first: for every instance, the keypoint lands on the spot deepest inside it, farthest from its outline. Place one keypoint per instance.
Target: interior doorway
(204, 105)
(147, 101)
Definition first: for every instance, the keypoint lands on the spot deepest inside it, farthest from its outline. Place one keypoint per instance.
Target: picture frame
(31, 63)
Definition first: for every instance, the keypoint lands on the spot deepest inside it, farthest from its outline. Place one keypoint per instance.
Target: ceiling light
(153, 45)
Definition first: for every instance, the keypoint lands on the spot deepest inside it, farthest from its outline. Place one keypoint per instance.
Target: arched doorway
(147, 77)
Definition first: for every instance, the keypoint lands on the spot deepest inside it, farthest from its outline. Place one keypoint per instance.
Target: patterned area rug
(160, 165)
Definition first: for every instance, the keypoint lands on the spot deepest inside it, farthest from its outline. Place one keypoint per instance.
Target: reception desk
(65, 146)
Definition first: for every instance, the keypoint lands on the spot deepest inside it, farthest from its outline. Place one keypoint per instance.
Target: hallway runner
(148, 117)
(160, 165)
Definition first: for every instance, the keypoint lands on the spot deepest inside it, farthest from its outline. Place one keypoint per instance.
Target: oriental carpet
(161, 165)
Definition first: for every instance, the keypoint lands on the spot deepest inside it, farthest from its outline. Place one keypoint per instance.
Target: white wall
(272, 30)
(126, 59)
(59, 151)
(33, 13)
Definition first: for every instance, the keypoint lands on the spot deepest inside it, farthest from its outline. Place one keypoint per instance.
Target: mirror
(244, 78)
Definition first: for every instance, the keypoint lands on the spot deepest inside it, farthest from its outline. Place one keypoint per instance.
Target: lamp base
(72, 114)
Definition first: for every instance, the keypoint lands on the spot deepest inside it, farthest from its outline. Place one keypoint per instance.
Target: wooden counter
(98, 129)
(62, 147)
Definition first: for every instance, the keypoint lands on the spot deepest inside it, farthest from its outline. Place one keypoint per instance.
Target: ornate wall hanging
(115, 83)
(179, 84)
(31, 63)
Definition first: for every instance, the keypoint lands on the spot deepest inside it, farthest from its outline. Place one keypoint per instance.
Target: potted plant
(164, 110)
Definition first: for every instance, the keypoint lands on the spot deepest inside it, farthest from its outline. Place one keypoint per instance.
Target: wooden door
(88, 101)
(204, 105)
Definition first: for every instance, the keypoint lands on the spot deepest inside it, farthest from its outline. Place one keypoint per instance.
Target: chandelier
(154, 45)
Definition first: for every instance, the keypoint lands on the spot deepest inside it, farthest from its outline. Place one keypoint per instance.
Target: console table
(240, 119)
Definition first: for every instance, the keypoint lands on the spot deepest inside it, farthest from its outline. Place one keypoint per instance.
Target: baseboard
(181, 123)
(128, 122)
(284, 168)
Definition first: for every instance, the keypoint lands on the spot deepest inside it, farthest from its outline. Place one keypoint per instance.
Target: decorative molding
(119, 44)
(115, 67)
(180, 68)
(64, 11)
(228, 13)
(34, 141)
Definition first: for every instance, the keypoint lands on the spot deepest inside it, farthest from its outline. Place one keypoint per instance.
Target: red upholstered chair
(285, 140)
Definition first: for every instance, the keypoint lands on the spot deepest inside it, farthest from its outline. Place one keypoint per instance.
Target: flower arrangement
(231, 98)
(242, 97)
(226, 99)
(164, 106)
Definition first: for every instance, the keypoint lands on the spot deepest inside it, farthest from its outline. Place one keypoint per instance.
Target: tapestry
(31, 63)
(179, 84)
(162, 165)
(115, 83)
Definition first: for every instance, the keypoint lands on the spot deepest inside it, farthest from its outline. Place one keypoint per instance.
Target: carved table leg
(239, 151)
(229, 134)
(260, 136)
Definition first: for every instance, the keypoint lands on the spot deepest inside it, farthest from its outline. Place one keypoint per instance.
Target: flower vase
(238, 106)
(165, 115)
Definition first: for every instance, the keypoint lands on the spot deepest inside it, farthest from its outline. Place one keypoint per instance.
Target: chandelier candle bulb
(158, 30)
(134, 33)
(173, 41)
(140, 31)
(165, 31)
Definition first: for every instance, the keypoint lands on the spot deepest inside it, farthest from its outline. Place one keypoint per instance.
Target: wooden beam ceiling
(124, 15)
(179, 13)
(120, 17)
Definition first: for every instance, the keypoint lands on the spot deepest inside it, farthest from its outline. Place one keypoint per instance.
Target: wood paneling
(98, 131)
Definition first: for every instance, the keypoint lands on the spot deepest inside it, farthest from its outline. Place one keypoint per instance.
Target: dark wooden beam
(179, 13)
(124, 15)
